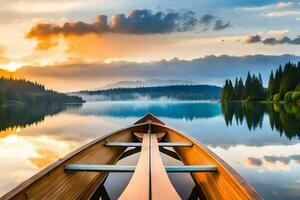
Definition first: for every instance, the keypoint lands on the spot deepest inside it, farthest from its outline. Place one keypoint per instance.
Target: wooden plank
(126, 168)
(100, 168)
(123, 144)
(191, 168)
(174, 144)
(139, 185)
(161, 186)
(138, 144)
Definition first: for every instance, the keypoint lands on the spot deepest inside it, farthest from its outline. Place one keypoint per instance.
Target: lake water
(260, 141)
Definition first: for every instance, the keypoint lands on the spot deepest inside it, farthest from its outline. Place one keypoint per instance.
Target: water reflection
(260, 141)
(15, 117)
(284, 118)
(188, 110)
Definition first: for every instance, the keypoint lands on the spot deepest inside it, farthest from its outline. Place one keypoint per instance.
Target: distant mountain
(147, 83)
(174, 92)
(207, 70)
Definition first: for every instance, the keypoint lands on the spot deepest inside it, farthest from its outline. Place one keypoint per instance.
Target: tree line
(283, 86)
(181, 92)
(251, 90)
(23, 91)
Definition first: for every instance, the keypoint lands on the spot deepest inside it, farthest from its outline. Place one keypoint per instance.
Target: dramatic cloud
(272, 40)
(253, 39)
(138, 22)
(207, 19)
(219, 25)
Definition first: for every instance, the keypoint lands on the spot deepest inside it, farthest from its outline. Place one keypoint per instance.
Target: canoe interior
(55, 182)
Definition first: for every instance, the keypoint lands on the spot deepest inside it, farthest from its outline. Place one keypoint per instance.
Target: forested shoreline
(23, 91)
(284, 86)
(179, 92)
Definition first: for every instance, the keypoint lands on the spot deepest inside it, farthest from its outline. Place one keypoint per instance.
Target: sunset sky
(45, 33)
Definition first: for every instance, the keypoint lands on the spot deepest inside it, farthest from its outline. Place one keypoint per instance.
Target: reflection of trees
(252, 112)
(188, 111)
(24, 115)
(285, 118)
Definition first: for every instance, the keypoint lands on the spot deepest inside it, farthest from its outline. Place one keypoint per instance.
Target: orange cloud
(3, 58)
(94, 48)
(138, 22)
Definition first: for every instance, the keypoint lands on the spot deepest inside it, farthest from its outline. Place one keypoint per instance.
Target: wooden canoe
(80, 174)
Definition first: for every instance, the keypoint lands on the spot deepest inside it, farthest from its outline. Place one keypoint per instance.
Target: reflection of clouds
(10, 131)
(23, 156)
(45, 158)
(273, 162)
(261, 159)
(73, 127)
(286, 160)
(254, 161)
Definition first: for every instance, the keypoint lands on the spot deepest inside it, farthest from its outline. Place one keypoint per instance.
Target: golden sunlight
(12, 66)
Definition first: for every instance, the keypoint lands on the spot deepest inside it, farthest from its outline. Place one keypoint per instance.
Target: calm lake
(260, 141)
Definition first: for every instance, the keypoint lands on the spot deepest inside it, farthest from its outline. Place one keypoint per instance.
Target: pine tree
(230, 91)
(236, 85)
(276, 82)
(240, 89)
(271, 84)
(224, 93)
(248, 84)
(1, 95)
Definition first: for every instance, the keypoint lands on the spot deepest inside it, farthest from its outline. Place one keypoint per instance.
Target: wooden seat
(139, 144)
(122, 168)
(123, 144)
(100, 168)
(191, 168)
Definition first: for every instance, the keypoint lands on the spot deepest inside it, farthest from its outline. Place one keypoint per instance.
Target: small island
(284, 86)
(20, 91)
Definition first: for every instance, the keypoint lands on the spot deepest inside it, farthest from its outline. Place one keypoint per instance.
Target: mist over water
(264, 139)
